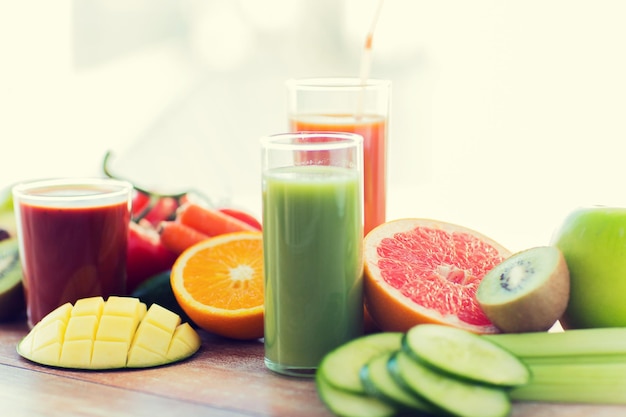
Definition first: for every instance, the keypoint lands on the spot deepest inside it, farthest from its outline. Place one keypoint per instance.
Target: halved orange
(218, 282)
(427, 271)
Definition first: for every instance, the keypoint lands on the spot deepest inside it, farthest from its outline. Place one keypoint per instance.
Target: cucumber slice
(451, 395)
(466, 355)
(348, 404)
(341, 367)
(378, 382)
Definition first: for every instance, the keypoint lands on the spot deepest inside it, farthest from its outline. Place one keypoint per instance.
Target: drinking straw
(366, 59)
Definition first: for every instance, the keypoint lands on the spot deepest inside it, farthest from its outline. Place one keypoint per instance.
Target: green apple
(593, 242)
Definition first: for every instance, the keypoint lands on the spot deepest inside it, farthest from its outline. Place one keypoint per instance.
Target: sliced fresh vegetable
(451, 395)
(465, 355)
(177, 237)
(348, 404)
(342, 366)
(379, 382)
(146, 255)
(209, 221)
(572, 366)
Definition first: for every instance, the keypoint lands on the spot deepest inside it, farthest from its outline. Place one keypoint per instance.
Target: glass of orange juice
(353, 106)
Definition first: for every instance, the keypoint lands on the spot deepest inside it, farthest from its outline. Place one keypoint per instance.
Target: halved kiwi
(12, 302)
(526, 292)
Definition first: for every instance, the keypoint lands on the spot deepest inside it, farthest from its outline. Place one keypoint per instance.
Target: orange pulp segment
(218, 282)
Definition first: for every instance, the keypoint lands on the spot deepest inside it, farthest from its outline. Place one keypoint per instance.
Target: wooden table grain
(224, 379)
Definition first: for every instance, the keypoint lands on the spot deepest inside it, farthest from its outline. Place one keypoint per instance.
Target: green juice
(312, 235)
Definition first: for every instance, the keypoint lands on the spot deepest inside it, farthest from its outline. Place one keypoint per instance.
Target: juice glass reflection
(348, 105)
(312, 233)
(72, 237)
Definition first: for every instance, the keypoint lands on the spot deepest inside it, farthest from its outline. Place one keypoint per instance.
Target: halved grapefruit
(427, 271)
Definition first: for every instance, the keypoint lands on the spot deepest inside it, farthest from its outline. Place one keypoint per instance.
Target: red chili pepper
(154, 208)
(243, 216)
(163, 209)
(146, 255)
(141, 201)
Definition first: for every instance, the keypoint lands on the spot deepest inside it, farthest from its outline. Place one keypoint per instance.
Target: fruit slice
(527, 292)
(453, 396)
(379, 382)
(8, 226)
(427, 271)
(12, 302)
(219, 284)
(341, 367)
(463, 354)
(117, 333)
(348, 404)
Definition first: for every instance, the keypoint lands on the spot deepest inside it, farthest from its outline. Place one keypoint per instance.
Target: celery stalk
(572, 366)
(581, 393)
(584, 342)
(612, 358)
(572, 374)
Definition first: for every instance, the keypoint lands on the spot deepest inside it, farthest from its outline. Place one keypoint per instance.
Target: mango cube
(117, 333)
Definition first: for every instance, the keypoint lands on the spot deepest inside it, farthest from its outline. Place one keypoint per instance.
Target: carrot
(177, 237)
(209, 221)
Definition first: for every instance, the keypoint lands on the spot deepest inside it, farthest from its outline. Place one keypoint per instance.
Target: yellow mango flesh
(117, 333)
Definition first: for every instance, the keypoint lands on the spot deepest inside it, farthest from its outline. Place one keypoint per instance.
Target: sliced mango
(117, 333)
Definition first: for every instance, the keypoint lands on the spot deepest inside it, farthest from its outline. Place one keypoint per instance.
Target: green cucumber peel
(448, 394)
(379, 382)
(349, 404)
(342, 366)
(465, 355)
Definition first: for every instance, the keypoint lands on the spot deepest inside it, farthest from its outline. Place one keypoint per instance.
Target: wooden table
(224, 379)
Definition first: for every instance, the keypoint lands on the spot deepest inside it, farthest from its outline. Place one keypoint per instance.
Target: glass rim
(285, 141)
(341, 83)
(112, 189)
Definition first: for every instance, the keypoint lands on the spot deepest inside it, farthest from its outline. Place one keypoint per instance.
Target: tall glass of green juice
(312, 238)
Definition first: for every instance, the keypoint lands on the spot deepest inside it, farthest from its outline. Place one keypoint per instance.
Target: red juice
(373, 128)
(70, 253)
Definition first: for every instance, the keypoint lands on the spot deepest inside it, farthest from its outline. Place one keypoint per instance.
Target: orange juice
(373, 128)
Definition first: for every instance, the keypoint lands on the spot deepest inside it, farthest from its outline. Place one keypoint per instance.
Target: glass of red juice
(352, 106)
(72, 236)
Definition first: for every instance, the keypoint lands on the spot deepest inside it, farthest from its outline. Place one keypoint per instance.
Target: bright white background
(505, 114)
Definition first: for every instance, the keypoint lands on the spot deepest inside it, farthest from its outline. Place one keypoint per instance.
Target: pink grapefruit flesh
(427, 271)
